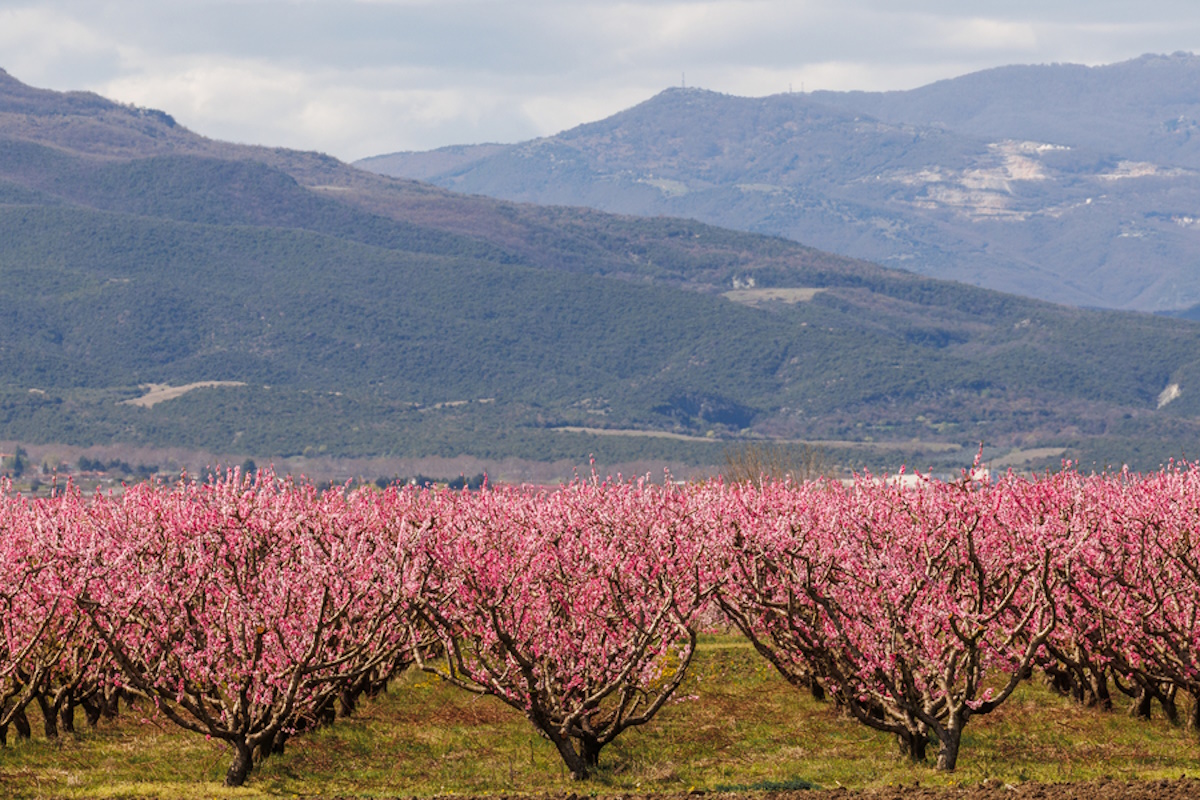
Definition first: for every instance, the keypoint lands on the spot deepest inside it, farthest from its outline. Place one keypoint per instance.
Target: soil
(1091, 790)
(995, 790)
(160, 392)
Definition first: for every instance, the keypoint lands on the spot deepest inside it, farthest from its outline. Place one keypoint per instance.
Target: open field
(735, 725)
(161, 392)
(915, 445)
(754, 297)
(1022, 458)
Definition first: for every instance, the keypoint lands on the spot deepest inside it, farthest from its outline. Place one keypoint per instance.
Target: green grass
(735, 726)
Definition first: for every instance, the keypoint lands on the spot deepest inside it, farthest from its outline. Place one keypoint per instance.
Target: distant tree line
(116, 465)
(473, 483)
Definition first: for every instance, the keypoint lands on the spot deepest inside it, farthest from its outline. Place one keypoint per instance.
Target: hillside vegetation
(1072, 184)
(1147, 108)
(371, 316)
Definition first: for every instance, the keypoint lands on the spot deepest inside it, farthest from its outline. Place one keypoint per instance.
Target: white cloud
(348, 114)
(550, 113)
(46, 44)
(640, 29)
(368, 76)
(979, 33)
(234, 96)
(45, 34)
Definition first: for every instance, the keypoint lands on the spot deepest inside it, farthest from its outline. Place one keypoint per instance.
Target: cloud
(832, 76)
(360, 77)
(345, 113)
(49, 46)
(979, 33)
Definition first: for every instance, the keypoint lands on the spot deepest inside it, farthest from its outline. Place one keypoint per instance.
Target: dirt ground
(1093, 790)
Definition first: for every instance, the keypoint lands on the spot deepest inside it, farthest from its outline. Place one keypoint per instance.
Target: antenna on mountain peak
(683, 80)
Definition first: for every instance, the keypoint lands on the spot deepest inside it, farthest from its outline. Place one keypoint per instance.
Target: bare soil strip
(643, 434)
(161, 392)
(753, 297)
(993, 790)
(928, 447)
(1019, 457)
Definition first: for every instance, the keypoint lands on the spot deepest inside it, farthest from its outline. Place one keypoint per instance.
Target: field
(735, 726)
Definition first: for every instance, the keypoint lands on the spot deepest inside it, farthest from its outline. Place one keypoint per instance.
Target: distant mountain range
(311, 307)
(1073, 184)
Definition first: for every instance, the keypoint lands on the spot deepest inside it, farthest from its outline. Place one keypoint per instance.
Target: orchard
(251, 609)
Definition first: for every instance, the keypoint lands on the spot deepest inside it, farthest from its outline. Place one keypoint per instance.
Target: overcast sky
(363, 77)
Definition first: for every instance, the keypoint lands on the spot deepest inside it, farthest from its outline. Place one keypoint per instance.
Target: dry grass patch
(754, 297)
(161, 392)
(734, 723)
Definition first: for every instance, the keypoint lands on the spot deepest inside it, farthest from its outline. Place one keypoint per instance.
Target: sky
(355, 78)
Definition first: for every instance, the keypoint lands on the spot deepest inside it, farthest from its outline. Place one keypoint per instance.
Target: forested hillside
(354, 314)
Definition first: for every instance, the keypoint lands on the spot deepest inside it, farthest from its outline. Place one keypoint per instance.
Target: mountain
(1071, 184)
(161, 288)
(1147, 109)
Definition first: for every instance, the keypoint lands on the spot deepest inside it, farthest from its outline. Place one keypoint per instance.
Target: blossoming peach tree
(907, 603)
(577, 607)
(241, 606)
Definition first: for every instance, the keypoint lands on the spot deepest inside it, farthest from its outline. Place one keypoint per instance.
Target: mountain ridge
(1022, 210)
(1146, 107)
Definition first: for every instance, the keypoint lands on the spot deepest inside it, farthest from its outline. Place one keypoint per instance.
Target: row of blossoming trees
(250, 609)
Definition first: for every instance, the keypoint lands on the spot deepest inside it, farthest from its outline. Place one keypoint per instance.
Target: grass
(734, 726)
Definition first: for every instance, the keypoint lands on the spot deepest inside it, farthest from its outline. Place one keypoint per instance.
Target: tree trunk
(575, 763)
(1142, 704)
(348, 697)
(92, 709)
(591, 751)
(378, 683)
(21, 723)
(68, 716)
(950, 740)
(1170, 709)
(324, 714)
(1101, 697)
(275, 745)
(913, 746)
(49, 715)
(239, 770)
(1058, 679)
